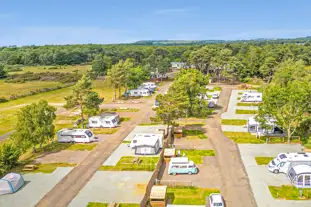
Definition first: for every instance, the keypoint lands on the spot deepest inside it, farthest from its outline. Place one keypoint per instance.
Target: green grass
(126, 164)
(307, 146)
(197, 155)
(8, 89)
(126, 142)
(120, 110)
(235, 122)
(240, 93)
(104, 130)
(217, 88)
(94, 204)
(81, 147)
(189, 195)
(243, 137)
(239, 98)
(289, 192)
(49, 168)
(64, 69)
(191, 121)
(123, 119)
(248, 104)
(194, 134)
(239, 111)
(263, 160)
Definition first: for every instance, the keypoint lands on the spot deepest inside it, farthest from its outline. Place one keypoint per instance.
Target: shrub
(9, 155)
(2, 100)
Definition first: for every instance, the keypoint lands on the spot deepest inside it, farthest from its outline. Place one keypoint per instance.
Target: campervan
(140, 138)
(252, 97)
(138, 92)
(105, 120)
(75, 135)
(284, 161)
(181, 165)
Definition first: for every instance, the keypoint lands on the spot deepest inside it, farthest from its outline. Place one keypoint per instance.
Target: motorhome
(105, 120)
(284, 161)
(300, 176)
(138, 92)
(181, 165)
(75, 135)
(253, 126)
(252, 97)
(140, 138)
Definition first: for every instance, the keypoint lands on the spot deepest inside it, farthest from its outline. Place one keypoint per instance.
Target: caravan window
(282, 156)
(89, 133)
(107, 122)
(79, 136)
(113, 121)
(300, 180)
(307, 180)
(134, 141)
(94, 122)
(135, 92)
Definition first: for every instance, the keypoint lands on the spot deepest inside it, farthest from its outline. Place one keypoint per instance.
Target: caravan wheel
(276, 171)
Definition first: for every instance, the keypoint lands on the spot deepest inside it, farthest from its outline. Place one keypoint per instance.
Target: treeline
(222, 61)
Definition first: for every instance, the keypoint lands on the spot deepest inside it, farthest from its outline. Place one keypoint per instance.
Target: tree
(84, 98)
(268, 68)
(289, 105)
(2, 71)
(114, 78)
(137, 76)
(221, 61)
(35, 124)
(202, 59)
(170, 108)
(9, 154)
(101, 64)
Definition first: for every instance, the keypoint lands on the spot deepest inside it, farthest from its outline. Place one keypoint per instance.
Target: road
(67, 189)
(235, 185)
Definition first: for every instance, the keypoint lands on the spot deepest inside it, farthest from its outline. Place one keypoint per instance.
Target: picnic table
(29, 167)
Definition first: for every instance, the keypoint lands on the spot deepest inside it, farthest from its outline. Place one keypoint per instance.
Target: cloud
(63, 35)
(172, 11)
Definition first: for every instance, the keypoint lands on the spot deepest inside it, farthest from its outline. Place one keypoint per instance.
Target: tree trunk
(288, 135)
(82, 117)
(115, 95)
(119, 92)
(34, 149)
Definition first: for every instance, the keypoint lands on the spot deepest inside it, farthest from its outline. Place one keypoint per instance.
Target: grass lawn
(197, 155)
(62, 69)
(104, 130)
(126, 142)
(126, 164)
(49, 168)
(120, 110)
(239, 98)
(123, 119)
(243, 137)
(289, 192)
(263, 160)
(217, 88)
(191, 122)
(189, 195)
(248, 104)
(194, 134)
(239, 111)
(81, 147)
(8, 89)
(92, 204)
(236, 122)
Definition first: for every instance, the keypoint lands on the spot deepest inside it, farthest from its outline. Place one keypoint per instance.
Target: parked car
(215, 95)
(215, 199)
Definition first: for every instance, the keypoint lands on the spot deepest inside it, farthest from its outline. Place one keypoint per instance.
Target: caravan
(147, 144)
(141, 137)
(284, 161)
(181, 165)
(253, 126)
(75, 135)
(138, 92)
(251, 97)
(149, 85)
(105, 120)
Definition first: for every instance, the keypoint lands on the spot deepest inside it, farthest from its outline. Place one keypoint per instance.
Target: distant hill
(203, 42)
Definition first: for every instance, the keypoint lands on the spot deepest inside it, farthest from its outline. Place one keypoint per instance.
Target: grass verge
(243, 137)
(50, 167)
(81, 147)
(189, 195)
(104, 130)
(194, 134)
(197, 155)
(248, 104)
(126, 164)
(235, 122)
(239, 111)
(123, 119)
(126, 142)
(289, 193)
(263, 160)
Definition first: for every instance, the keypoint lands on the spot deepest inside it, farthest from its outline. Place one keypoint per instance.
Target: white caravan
(139, 92)
(284, 161)
(254, 126)
(150, 85)
(149, 146)
(105, 120)
(75, 135)
(141, 138)
(252, 97)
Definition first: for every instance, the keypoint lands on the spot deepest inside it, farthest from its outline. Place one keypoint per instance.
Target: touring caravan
(143, 146)
(75, 135)
(140, 138)
(300, 176)
(138, 92)
(252, 97)
(254, 126)
(105, 120)
(181, 165)
(149, 85)
(284, 161)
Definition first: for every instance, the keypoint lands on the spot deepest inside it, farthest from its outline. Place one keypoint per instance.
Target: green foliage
(289, 192)
(95, 204)
(189, 195)
(9, 155)
(84, 98)
(137, 75)
(197, 155)
(34, 125)
(2, 71)
(263, 160)
(236, 122)
(101, 64)
(240, 111)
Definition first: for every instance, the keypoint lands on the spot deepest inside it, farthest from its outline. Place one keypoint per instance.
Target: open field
(61, 69)
(189, 195)
(8, 89)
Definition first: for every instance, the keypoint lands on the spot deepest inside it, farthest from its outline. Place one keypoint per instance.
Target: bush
(3, 100)
(9, 155)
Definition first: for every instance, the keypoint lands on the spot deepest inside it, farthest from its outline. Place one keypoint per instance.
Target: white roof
(149, 83)
(299, 169)
(150, 141)
(104, 118)
(179, 159)
(72, 131)
(252, 121)
(158, 192)
(147, 135)
(295, 156)
(216, 198)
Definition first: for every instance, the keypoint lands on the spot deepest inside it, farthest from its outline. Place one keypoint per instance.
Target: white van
(284, 161)
(105, 120)
(75, 135)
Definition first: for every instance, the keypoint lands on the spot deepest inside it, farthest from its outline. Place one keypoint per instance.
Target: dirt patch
(65, 156)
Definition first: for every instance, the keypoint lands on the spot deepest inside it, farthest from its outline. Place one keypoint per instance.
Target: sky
(41, 22)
